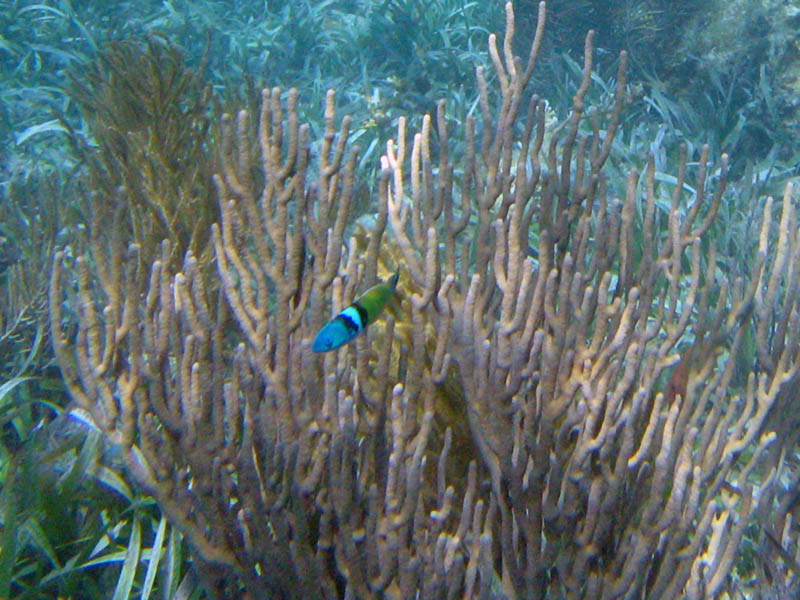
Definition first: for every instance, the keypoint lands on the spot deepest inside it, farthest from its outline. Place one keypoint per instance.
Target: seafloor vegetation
(166, 431)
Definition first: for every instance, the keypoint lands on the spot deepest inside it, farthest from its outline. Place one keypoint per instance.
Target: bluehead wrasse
(354, 319)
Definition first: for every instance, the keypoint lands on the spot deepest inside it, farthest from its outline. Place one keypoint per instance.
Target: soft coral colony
(541, 370)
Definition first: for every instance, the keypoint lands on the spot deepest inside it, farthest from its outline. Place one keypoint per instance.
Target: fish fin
(393, 279)
(395, 305)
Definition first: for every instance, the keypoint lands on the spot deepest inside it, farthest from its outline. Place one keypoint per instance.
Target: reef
(541, 324)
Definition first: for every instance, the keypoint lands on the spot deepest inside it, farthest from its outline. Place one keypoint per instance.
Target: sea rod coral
(549, 311)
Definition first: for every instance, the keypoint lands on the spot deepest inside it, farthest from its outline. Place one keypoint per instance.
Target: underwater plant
(148, 148)
(551, 310)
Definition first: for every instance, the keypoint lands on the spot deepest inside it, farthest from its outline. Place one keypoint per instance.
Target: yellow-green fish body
(354, 319)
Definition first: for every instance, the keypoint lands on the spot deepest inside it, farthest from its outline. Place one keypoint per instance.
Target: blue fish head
(334, 334)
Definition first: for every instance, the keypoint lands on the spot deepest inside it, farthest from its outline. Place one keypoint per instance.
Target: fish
(353, 320)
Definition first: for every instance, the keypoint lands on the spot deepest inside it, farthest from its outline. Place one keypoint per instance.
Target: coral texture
(540, 321)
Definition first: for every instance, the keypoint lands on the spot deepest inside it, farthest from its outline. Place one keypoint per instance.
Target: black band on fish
(349, 322)
(362, 313)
